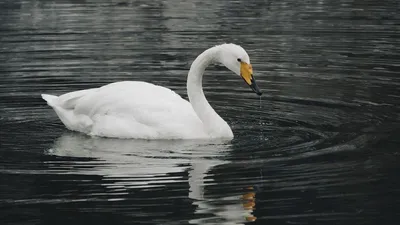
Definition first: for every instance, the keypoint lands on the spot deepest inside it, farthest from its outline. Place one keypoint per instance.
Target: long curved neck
(211, 120)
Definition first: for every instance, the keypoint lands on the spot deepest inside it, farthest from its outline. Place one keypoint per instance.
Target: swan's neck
(213, 123)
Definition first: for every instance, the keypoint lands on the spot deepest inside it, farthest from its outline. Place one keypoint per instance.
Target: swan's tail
(65, 116)
(50, 99)
(64, 107)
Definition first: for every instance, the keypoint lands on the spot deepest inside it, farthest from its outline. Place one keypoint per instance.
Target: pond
(321, 145)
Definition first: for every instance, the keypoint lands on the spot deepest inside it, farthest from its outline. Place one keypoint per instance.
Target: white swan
(133, 109)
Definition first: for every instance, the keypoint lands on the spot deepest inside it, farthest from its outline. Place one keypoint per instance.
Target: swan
(141, 110)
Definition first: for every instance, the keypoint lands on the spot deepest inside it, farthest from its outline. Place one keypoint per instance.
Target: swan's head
(237, 60)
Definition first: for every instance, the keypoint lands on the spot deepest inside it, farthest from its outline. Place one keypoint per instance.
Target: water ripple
(320, 145)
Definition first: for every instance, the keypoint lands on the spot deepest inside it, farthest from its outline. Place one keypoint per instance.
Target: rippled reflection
(124, 158)
(125, 164)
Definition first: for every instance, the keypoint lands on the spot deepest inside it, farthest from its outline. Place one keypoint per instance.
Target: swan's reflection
(143, 164)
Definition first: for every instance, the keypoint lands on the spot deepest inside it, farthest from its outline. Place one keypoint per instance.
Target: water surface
(321, 146)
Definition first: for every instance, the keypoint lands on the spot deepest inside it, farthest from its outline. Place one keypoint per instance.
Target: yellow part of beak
(246, 71)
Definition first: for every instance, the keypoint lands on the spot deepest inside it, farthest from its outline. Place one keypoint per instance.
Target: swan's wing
(137, 110)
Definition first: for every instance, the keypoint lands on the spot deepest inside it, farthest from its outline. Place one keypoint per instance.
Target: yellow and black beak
(246, 72)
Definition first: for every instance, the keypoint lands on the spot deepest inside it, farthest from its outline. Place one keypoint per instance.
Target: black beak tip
(255, 88)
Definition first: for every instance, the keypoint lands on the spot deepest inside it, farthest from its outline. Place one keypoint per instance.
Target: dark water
(322, 146)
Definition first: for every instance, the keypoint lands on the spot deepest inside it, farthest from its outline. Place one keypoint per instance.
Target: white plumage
(128, 109)
(133, 109)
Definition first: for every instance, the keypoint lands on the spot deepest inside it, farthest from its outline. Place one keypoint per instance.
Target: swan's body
(128, 109)
(132, 109)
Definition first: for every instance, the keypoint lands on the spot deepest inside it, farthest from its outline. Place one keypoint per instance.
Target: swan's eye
(239, 60)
